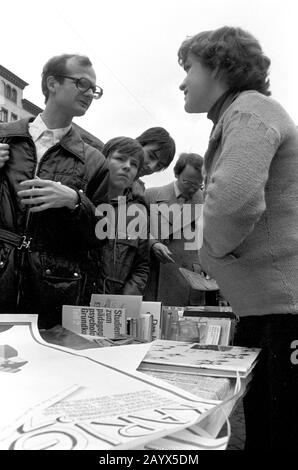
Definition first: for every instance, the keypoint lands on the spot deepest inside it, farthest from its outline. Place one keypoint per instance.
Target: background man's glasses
(194, 184)
(83, 84)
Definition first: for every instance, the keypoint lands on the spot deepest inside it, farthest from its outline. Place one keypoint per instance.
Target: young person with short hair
(250, 217)
(159, 150)
(122, 262)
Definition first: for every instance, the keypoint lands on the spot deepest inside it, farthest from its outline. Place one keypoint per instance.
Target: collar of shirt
(38, 127)
(177, 190)
(221, 105)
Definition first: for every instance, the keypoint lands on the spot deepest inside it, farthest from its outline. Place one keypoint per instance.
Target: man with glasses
(50, 181)
(166, 284)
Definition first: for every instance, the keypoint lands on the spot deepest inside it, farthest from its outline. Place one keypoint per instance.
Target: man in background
(166, 284)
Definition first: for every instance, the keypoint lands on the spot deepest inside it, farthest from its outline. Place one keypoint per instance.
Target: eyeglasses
(83, 84)
(193, 184)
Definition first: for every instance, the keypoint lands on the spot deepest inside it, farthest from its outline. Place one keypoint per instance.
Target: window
(14, 95)
(13, 117)
(8, 91)
(3, 115)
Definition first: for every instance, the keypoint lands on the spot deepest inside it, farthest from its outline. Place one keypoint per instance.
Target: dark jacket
(121, 265)
(51, 272)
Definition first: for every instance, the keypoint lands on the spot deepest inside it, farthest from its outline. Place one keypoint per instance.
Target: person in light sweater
(250, 217)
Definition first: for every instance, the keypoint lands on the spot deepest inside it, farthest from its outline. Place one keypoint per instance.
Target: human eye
(187, 67)
(85, 84)
(153, 156)
(120, 157)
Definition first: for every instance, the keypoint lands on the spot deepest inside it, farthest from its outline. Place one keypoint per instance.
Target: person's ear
(52, 84)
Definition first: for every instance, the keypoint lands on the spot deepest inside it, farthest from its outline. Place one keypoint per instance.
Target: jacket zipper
(27, 238)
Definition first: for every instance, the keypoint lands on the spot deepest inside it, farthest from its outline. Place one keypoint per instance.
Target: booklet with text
(195, 358)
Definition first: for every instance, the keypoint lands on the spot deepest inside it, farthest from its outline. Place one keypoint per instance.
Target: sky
(133, 46)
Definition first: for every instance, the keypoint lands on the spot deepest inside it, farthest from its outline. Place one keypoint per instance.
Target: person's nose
(89, 93)
(182, 86)
(152, 165)
(126, 165)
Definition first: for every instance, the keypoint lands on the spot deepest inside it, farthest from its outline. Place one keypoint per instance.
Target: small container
(188, 331)
(173, 335)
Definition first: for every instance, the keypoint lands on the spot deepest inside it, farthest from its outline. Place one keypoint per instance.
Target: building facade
(13, 106)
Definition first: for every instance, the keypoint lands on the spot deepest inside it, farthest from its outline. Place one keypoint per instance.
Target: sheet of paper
(131, 303)
(122, 357)
(111, 409)
(198, 281)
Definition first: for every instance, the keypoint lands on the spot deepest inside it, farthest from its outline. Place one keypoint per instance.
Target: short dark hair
(165, 144)
(57, 66)
(193, 159)
(125, 146)
(234, 53)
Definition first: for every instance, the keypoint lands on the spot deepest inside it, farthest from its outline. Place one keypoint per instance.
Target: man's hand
(4, 154)
(47, 194)
(162, 253)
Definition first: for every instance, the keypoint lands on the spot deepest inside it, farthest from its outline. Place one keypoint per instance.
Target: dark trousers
(271, 403)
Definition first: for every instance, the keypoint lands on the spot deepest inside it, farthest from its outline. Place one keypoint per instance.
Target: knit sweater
(251, 206)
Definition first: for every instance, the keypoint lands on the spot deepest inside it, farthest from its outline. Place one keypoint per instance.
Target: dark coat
(51, 273)
(121, 265)
(166, 283)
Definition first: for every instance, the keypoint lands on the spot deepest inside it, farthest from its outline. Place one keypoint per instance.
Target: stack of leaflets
(216, 323)
(114, 316)
(94, 321)
(195, 358)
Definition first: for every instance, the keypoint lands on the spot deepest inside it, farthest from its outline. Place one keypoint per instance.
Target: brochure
(195, 358)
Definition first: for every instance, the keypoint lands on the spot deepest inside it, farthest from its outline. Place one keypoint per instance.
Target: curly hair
(164, 143)
(125, 146)
(57, 66)
(235, 54)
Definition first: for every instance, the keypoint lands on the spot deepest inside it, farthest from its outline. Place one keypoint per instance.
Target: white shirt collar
(176, 189)
(37, 127)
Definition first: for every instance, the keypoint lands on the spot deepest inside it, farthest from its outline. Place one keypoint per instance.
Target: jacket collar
(72, 141)
(167, 194)
(221, 105)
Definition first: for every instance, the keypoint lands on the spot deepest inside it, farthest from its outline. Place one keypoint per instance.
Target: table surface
(217, 388)
(62, 337)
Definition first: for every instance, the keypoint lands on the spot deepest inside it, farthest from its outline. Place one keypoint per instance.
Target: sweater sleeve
(235, 197)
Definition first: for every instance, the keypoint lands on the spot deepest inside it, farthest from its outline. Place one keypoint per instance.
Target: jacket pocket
(116, 263)
(61, 280)
(125, 253)
(5, 255)
(7, 278)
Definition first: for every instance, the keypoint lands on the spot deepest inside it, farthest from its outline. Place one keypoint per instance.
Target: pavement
(237, 421)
